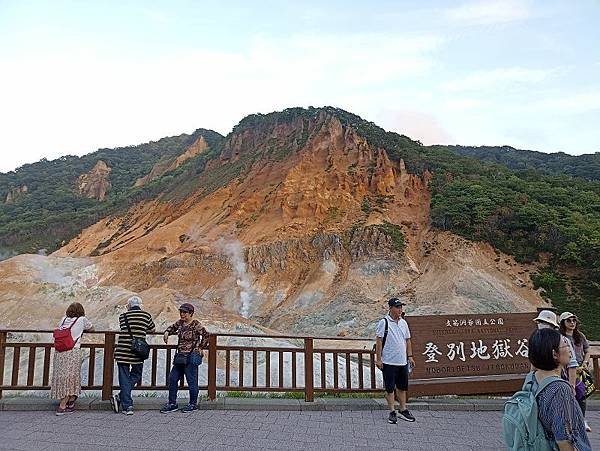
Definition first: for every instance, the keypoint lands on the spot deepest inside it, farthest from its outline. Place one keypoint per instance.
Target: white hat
(546, 316)
(565, 315)
(134, 301)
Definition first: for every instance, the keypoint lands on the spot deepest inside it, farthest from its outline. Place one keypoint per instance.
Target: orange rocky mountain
(299, 226)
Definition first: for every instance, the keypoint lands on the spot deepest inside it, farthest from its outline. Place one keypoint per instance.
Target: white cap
(134, 301)
(565, 315)
(546, 316)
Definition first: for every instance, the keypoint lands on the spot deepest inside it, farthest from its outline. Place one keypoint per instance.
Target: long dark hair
(577, 335)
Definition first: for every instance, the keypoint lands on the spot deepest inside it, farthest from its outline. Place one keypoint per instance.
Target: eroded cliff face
(163, 167)
(300, 226)
(15, 193)
(95, 184)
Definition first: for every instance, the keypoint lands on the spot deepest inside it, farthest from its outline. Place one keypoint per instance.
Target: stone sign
(470, 345)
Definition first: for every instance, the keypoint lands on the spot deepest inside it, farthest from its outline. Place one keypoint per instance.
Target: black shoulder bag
(139, 346)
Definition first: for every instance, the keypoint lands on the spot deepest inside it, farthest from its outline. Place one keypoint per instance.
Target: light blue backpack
(520, 424)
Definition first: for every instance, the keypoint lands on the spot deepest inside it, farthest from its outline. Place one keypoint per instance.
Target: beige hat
(546, 316)
(565, 315)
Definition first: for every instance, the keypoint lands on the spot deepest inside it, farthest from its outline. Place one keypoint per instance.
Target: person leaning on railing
(193, 338)
(66, 368)
(135, 322)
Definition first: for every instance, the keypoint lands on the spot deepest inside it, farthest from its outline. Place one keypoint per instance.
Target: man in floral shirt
(193, 338)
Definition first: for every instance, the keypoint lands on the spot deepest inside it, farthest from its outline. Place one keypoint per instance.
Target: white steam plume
(235, 253)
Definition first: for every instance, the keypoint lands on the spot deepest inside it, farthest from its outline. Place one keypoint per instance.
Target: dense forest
(527, 204)
(559, 163)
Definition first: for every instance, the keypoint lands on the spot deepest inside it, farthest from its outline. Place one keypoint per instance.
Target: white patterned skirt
(66, 374)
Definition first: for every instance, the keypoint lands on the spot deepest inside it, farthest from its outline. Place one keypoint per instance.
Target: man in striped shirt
(130, 365)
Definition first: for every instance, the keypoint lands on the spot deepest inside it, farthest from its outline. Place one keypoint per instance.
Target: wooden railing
(302, 364)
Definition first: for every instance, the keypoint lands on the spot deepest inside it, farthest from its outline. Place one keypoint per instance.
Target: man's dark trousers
(129, 375)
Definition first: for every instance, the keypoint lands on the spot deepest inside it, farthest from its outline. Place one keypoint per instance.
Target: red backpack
(63, 340)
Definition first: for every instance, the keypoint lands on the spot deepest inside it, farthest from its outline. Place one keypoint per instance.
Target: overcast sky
(76, 76)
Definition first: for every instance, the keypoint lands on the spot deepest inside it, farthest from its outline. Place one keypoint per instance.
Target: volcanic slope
(299, 224)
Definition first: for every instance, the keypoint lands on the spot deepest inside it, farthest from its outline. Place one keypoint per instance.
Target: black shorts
(395, 376)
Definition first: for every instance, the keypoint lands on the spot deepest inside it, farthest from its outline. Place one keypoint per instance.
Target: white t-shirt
(394, 351)
(77, 330)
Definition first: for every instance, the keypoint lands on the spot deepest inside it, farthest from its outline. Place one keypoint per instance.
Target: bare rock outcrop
(95, 184)
(15, 193)
(160, 168)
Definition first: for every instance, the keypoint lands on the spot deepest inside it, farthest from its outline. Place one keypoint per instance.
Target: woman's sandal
(71, 402)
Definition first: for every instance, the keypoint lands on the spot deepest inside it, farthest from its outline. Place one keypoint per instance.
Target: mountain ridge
(319, 203)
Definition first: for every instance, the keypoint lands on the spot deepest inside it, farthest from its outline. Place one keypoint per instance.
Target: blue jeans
(129, 375)
(191, 376)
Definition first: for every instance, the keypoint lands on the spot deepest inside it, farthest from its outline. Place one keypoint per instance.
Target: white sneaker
(587, 427)
(115, 402)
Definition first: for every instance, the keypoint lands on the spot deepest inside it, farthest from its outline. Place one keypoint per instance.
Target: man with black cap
(393, 350)
(193, 338)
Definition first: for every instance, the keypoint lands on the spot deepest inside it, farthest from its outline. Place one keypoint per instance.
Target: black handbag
(139, 346)
(183, 358)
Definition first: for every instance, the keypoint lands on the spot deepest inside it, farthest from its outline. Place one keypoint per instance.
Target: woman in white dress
(66, 369)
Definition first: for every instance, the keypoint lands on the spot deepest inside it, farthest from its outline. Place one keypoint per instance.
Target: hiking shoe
(406, 416)
(115, 402)
(189, 408)
(128, 411)
(66, 410)
(393, 418)
(588, 428)
(168, 408)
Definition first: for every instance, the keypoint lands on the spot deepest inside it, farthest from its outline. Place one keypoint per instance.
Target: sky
(77, 76)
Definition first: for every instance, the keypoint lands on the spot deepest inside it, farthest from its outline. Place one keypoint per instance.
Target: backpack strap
(385, 334)
(547, 381)
(63, 322)
(71, 326)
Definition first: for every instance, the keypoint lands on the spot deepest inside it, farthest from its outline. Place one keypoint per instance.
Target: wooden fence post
(212, 367)
(309, 384)
(108, 366)
(596, 373)
(2, 358)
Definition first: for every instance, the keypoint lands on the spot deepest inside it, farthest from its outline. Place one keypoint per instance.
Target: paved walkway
(255, 429)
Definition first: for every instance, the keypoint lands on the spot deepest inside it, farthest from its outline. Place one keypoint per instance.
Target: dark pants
(582, 405)
(191, 376)
(129, 375)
